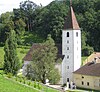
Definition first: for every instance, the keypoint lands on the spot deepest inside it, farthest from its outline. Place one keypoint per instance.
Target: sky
(8, 5)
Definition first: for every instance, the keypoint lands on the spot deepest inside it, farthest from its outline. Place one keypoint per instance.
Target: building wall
(89, 82)
(77, 49)
(71, 49)
(24, 66)
(67, 63)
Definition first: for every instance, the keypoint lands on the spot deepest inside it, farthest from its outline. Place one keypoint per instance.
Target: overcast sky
(8, 5)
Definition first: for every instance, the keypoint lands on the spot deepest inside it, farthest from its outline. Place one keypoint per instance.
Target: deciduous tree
(43, 63)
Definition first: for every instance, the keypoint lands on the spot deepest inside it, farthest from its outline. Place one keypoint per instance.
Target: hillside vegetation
(21, 51)
(33, 23)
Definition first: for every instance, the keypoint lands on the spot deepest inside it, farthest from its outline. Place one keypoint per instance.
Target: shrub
(35, 84)
(20, 80)
(39, 86)
(9, 75)
(29, 82)
(24, 80)
(16, 78)
(64, 85)
(87, 51)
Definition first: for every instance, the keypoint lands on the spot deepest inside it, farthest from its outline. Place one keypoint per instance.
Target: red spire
(71, 21)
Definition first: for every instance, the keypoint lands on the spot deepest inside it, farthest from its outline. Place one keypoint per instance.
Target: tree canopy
(43, 63)
(42, 21)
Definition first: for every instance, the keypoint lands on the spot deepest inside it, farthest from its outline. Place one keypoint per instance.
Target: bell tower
(71, 46)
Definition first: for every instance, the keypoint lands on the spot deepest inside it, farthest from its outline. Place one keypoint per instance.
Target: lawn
(83, 59)
(10, 86)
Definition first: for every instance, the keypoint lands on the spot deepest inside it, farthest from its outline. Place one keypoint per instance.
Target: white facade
(71, 49)
(25, 66)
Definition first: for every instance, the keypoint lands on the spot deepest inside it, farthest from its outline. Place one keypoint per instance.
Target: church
(70, 48)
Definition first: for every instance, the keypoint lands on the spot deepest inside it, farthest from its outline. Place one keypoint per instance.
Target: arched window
(67, 56)
(67, 41)
(67, 48)
(67, 34)
(76, 34)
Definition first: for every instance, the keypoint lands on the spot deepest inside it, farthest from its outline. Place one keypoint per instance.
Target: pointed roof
(71, 21)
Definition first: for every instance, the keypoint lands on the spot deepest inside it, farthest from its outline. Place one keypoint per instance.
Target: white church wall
(67, 64)
(24, 66)
(77, 49)
(72, 59)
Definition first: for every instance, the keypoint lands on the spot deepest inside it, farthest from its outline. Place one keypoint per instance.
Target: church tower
(71, 46)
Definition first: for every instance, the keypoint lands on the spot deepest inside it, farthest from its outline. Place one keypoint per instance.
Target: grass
(22, 51)
(83, 59)
(34, 84)
(10, 86)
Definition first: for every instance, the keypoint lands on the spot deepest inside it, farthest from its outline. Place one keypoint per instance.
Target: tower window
(67, 48)
(76, 34)
(67, 41)
(67, 79)
(67, 34)
(67, 67)
(67, 56)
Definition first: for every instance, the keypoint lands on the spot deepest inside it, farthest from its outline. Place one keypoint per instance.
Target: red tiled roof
(71, 21)
(91, 69)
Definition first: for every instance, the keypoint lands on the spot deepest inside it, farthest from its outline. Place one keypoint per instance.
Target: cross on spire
(70, 2)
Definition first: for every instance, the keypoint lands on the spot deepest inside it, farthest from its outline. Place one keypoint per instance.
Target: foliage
(43, 62)
(50, 20)
(1, 57)
(87, 51)
(19, 52)
(11, 61)
(9, 75)
(27, 9)
(20, 29)
(87, 15)
(40, 21)
(6, 25)
(53, 76)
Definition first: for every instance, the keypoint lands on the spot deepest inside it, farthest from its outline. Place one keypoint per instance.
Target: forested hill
(33, 23)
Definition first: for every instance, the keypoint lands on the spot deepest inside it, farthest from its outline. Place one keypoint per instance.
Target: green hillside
(10, 86)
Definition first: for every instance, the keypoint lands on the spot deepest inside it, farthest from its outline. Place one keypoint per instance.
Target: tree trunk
(44, 79)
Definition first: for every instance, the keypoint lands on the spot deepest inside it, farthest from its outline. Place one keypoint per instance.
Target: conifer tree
(11, 61)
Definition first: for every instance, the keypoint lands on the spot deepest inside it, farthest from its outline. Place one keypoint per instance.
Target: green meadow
(10, 86)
